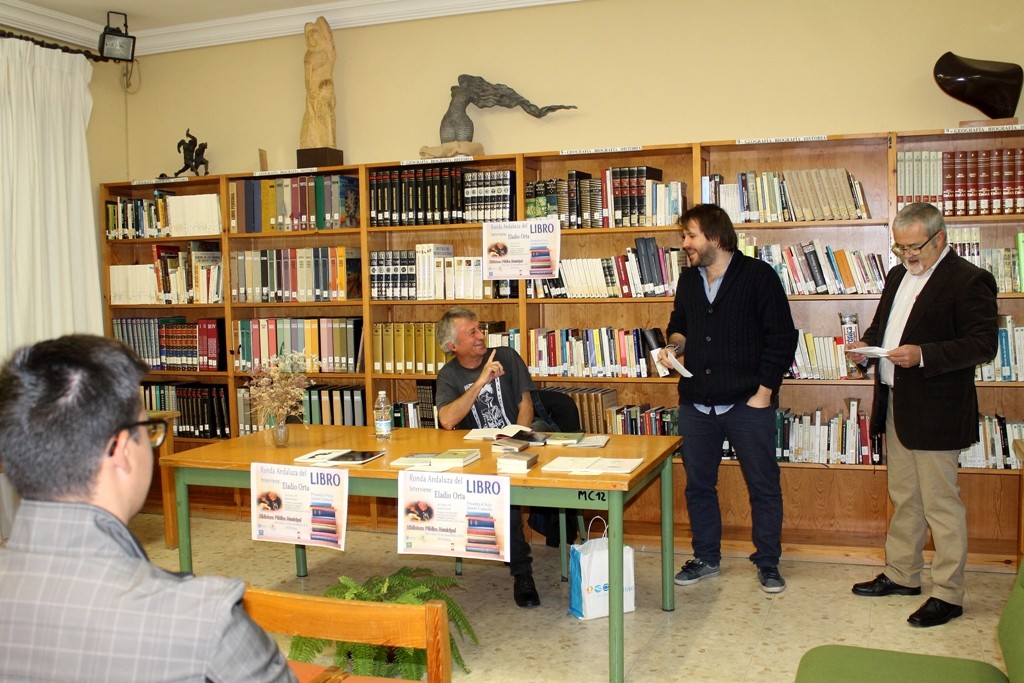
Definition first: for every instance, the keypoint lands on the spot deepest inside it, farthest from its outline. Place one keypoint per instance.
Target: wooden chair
(423, 627)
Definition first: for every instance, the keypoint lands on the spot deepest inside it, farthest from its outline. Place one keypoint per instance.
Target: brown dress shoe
(882, 585)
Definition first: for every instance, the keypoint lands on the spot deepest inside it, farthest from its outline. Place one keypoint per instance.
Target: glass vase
(281, 434)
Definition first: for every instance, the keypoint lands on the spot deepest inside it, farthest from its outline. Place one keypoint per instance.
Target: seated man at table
(485, 387)
(81, 601)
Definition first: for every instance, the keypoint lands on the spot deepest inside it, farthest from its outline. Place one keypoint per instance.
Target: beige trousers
(924, 492)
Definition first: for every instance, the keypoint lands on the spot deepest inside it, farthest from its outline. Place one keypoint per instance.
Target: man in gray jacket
(79, 599)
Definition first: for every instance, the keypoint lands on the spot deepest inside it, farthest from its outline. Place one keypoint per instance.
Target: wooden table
(227, 464)
(167, 477)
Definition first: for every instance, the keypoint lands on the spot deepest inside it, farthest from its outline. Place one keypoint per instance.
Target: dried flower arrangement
(276, 390)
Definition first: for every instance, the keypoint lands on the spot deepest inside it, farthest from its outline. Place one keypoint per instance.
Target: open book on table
(507, 432)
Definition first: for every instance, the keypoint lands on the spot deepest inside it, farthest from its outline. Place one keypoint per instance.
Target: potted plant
(409, 586)
(276, 390)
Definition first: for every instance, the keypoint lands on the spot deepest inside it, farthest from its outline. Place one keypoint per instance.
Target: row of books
(293, 203)
(296, 274)
(988, 182)
(821, 357)
(440, 195)
(622, 196)
(202, 408)
(163, 215)
(189, 275)
(414, 414)
(994, 450)
(815, 437)
(591, 403)
(332, 345)
(1008, 364)
(644, 271)
(406, 348)
(407, 274)
(171, 343)
(322, 404)
(590, 352)
(845, 439)
(815, 194)
(824, 357)
(173, 278)
(642, 419)
(813, 268)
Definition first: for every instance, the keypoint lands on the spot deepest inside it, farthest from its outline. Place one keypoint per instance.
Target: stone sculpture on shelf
(317, 137)
(992, 87)
(457, 127)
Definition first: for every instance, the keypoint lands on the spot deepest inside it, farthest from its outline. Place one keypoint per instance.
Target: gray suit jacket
(935, 408)
(79, 601)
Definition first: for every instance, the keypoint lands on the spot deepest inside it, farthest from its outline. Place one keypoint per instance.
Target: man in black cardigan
(732, 321)
(938, 319)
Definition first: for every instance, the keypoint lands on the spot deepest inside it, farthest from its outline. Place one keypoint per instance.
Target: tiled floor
(723, 629)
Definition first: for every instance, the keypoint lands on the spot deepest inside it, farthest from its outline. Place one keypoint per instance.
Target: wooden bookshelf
(836, 512)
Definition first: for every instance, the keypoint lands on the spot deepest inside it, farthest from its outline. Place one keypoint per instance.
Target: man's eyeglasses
(902, 251)
(156, 430)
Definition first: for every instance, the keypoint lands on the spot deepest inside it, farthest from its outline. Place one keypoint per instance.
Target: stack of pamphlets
(516, 463)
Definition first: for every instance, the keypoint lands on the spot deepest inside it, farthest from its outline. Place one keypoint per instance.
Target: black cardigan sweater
(744, 339)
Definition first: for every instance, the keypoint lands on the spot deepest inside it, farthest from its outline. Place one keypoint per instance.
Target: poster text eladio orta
(451, 514)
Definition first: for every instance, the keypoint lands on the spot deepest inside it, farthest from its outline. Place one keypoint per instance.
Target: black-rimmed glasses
(902, 251)
(156, 430)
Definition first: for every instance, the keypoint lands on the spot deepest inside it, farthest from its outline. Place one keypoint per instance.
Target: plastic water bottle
(382, 417)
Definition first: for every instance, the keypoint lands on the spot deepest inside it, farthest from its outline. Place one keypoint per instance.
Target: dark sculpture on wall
(457, 127)
(992, 87)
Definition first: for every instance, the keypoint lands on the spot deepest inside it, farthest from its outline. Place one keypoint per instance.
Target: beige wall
(640, 71)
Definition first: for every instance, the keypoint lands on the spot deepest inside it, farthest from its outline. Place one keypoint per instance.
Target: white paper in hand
(870, 351)
(678, 367)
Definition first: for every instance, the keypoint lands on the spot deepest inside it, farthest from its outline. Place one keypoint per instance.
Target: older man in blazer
(937, 318)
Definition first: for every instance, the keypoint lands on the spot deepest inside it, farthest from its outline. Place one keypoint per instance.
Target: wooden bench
(424, 627)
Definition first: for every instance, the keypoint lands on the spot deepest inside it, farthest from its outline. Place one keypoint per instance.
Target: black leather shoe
(525, 592)
(882, 585)
(935, 612)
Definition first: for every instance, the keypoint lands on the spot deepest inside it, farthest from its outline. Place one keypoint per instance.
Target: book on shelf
(326, 457)
(516, 463)
(574, 465)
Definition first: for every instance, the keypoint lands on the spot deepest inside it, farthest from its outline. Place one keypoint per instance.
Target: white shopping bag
(588, 577)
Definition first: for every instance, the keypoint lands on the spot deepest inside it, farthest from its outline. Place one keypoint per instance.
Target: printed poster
(299, 505)
(454, 515)
(521, 250)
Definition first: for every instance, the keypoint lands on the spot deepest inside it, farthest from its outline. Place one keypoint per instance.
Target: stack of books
(516, 463)
(455, 457)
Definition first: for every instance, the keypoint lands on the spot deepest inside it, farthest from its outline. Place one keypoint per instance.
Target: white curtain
(49, 268)
(49, 265)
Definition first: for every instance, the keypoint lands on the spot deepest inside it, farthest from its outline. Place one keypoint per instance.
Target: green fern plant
(408, 586)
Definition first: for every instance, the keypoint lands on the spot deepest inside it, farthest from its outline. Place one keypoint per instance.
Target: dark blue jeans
(751, 432)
